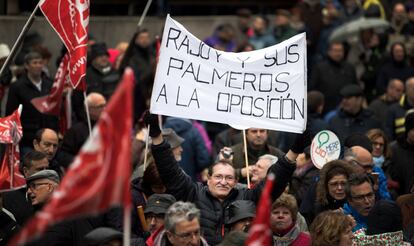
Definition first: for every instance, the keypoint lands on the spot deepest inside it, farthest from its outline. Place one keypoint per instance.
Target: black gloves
(152, 121)
(302, 140)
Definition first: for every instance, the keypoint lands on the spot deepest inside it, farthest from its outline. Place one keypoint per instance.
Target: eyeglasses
(361, 198)
(221, 177)
(337, 184)
(34, 186)
(187, 236)
(364, 166)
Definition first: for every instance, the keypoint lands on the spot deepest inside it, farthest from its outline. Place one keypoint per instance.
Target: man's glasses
(187, 236)
(366, 167)
(362, 198)
(221, 177)
(34, 186)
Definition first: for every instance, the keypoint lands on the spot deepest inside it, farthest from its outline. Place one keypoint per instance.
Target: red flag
(70, 19)
(10, 133)
(260, 233)
(10, 176)
(51, 104)
(99, 176)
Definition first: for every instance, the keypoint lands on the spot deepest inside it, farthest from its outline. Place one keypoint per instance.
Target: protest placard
(264, 88)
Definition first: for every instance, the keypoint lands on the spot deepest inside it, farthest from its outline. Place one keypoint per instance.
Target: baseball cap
(44, 174)
(159, 203)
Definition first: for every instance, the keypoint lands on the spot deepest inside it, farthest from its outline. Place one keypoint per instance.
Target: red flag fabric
(99, 176)
(10, 133)
(51, 104)
(70, 19)
(260, 233)
(10, 176)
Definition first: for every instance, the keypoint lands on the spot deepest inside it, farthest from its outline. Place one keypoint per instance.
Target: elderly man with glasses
(41, 187)
(181, 227)
(363, 161)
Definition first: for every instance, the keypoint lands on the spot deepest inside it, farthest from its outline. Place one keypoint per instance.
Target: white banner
(263, 89)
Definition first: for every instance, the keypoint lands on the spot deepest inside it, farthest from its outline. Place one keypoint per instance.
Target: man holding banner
(221, 190)
(261, 89)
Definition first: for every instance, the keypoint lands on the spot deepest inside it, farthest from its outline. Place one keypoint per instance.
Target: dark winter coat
(329, 77)
(16, 202)
(301, 182)
(103, 83)
(344, 124)
(393, 70)
(72, 142)
(395, 119)
(401, 166)
(22, 92)
(69, 233)
(380, 107)
(212, 210)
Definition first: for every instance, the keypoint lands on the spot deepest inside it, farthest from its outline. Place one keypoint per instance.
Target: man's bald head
(96, 103)
(46, 141)
(363, 158)
(395, 90)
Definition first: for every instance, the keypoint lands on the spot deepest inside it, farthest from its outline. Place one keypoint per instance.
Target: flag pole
(146, 147)
(127, 226)
(19, 40)
(11, 166)
(144, 13)
(87, 113)
(246, 158)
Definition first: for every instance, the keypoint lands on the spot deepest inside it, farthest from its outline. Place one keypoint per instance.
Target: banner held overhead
(264, 88)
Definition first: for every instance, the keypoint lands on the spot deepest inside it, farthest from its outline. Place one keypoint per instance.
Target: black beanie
(358, 139)
(98, 49)
(384, 217)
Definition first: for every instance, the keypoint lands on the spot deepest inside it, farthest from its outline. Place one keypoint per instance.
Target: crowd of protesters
(193, 188)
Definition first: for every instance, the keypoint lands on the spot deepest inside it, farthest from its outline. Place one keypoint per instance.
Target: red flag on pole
(70, 19)
(10, 133)
(260, 233)
(51, 104)
(99, 176)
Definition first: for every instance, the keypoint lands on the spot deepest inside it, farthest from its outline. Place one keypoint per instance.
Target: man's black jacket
(212, 210)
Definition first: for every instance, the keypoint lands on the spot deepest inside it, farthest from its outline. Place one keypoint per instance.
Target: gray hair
(180, 211)
(273, 159)
(349, 155)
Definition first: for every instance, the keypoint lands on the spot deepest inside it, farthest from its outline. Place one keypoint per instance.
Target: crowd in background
(193, 188)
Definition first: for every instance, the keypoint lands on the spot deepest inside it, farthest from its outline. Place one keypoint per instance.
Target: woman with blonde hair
(331, 227)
